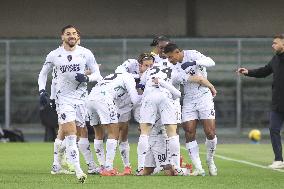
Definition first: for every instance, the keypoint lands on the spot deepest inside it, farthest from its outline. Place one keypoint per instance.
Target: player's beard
(71, 42)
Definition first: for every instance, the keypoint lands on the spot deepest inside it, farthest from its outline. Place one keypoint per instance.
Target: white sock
(193, 151)
(85, 149)
(56, 151)
(211, 148)
(100, 151)
(142, 148)
(111, 145)
(63, 146)
(72, 152)
(174, 150)
(124, 149)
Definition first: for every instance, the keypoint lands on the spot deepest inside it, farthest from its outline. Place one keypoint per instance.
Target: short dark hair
(145, 56)
(170, 48)
(157, 39)
(280, 36)
(70, 26)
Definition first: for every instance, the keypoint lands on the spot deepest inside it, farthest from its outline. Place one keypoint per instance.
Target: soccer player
(70, 61)
(159, 43)
(158, 151)
(136, 68)
(60, 163)
(197, 105)
(101, 107)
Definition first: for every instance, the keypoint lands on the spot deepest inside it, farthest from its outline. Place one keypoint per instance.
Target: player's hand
(81, 78)
(213, 91)
(43, 98)
(242, 71)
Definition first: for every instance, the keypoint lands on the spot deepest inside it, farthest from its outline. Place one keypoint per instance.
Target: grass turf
(27, 165)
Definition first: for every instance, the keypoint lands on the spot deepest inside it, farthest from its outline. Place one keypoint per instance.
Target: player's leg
(124, 115)
(124, 147)
(143, 145)
(93, 107)
(149, 164)
(111, 145)
(107, 112)
(210, 143)
(190, 120)
(207, 116)
(85, 149)
(148, 112)
(59, 162)
(83, 142)
(168, 113)
(99, 144)
(67, 116)
(192, 146)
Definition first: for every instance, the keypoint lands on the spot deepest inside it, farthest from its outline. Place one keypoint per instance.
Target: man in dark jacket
(275, 66)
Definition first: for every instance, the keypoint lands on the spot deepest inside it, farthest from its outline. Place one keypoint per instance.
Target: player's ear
(62, 37)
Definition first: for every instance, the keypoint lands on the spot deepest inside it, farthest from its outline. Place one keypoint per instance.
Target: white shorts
(136, 112)
(124, 107)
(71, 112)
(157, 155)
(201, 108)
(158, 102)
(102, 110)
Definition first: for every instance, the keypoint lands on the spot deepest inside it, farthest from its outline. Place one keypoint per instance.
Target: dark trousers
(276, 123)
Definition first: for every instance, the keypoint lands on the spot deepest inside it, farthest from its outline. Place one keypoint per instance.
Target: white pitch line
(243, 162)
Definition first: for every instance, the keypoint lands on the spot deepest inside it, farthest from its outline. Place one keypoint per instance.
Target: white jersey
(67, 65)
(195, 90)
(117, 85)
(166, 75)
(129, 66)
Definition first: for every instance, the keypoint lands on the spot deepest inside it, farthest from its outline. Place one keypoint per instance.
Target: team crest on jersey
(63, 116)
(69, 58)
(212, 112)
(191, 71)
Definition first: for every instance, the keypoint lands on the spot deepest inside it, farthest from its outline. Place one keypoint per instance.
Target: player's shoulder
(84, 50)
(55, 52)
(130, 61)
(190, 52)
(126, 75)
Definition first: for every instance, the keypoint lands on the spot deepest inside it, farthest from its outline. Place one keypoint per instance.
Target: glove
(140, 86)
(187, 64)
(52, 104)
(137, 80)
(81, 78)
(43, 98)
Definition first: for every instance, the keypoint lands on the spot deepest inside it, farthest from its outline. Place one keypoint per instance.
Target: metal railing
(241, 102)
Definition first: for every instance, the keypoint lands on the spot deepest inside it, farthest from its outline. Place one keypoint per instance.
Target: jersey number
(167, 71)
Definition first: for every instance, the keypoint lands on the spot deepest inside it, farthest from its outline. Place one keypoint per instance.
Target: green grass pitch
(27, 165)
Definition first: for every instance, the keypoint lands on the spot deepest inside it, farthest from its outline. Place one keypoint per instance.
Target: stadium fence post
(239, 89)
(7, 85)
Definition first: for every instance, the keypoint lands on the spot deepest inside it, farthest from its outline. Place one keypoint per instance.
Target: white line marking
(242, 161)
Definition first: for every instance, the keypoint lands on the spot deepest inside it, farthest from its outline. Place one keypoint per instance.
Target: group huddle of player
(147, 87)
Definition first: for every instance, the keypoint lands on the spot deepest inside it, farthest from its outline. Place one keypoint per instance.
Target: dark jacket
(275, 66)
